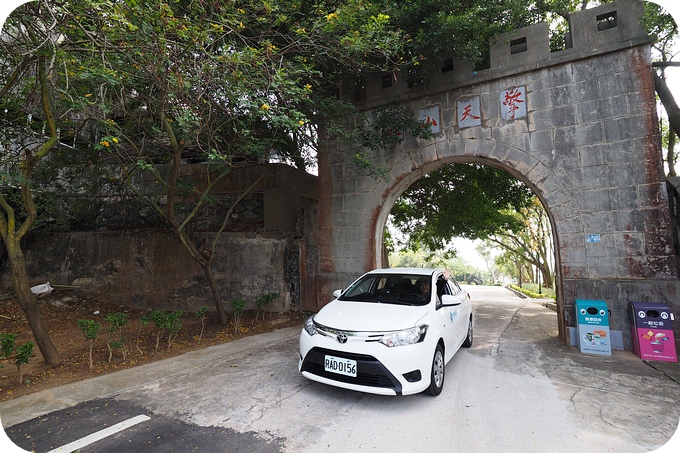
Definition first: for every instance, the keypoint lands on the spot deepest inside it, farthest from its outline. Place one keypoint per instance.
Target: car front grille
(370, 372)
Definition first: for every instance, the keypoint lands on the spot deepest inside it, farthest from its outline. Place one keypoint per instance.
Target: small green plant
(143, 321)
(262, 302)
(20, 355)
(173, 326)
(90, 330)
(166, 322)
(201, 315)
(237, 306)
(116, 339)
(7, 344)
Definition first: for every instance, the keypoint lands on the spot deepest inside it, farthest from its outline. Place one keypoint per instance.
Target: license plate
(340, 366)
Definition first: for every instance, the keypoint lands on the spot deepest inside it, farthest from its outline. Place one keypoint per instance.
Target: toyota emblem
(342, 338)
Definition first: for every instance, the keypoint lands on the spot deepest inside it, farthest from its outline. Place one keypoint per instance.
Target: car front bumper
(401, 370)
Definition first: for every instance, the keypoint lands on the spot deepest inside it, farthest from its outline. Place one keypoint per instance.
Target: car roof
(406, 270)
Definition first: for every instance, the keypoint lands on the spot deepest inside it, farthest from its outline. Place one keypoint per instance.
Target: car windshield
(401, 289)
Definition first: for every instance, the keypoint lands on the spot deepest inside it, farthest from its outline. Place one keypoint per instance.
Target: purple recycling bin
(651, 328)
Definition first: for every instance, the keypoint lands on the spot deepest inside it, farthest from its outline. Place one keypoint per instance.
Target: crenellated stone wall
(578, 126)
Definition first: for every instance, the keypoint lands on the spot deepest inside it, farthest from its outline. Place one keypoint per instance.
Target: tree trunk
(671, 153)
(671, 107)
(215, 291)
(29, 305)
(546, 276)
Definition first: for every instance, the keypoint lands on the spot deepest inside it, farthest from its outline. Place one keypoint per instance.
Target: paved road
(517, 389)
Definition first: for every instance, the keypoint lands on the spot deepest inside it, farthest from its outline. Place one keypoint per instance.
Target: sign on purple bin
(651, 325)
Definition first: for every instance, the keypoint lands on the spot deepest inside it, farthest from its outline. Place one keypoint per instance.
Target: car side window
(442, 288)
(454, 288)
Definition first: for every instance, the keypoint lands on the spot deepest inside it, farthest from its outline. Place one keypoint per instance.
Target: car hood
(369, 316)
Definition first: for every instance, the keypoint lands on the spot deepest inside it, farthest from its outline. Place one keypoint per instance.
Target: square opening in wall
(606, 21)
(518, 46)
(387, 80)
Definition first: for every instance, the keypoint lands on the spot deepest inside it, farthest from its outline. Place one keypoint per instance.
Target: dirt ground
(62, 310)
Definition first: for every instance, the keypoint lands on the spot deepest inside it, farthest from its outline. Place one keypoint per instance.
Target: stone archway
(380, 220)
(582, 132)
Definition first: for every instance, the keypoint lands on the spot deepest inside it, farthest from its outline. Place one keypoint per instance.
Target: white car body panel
(376, 317)
(361, 324)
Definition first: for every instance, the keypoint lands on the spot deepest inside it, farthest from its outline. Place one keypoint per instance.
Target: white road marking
(99, 435)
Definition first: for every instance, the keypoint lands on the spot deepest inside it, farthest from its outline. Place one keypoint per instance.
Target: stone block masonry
(578, 126)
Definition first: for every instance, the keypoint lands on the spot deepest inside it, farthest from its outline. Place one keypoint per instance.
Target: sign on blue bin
(593, 327)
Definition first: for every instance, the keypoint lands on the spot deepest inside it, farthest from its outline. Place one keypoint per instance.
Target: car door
(449, 310)
(463, 310)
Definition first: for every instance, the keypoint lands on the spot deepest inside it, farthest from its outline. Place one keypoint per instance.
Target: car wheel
(468, 340)
(437, 373)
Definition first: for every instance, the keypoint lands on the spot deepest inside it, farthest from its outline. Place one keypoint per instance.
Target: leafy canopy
(459, 200)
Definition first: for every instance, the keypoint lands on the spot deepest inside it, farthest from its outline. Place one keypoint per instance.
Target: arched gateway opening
(578, 126)
(405, 183)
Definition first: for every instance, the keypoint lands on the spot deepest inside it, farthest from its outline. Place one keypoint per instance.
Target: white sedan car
(392, 332)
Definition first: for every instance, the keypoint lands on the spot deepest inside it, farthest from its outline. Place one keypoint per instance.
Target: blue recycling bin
(593, 327)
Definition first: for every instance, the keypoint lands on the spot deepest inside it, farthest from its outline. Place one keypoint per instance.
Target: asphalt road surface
(519, 388)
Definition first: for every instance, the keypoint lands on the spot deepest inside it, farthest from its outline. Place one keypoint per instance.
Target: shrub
(237, 305)
(166, 322)
(262, 302)
(116, 323)
(90, 330)
(20, 355)
(201, 315)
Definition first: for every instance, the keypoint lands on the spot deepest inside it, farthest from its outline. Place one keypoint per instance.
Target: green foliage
(237, 306)
(532, 291)
(116, 339)
(362, 134)
(462, 200)
(7, 345)
(166, 323)
(143, 321)
(23, 354)
(20, 355)
(200, 313)
(262, 302)
(90, 330)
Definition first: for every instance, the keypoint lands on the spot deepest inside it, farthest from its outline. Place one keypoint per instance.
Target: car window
(442, 287)
(455, 288)
(400, 289)
(360, 288)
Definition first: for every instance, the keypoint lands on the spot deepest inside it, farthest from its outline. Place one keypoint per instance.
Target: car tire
(468, 340)
(437, 372)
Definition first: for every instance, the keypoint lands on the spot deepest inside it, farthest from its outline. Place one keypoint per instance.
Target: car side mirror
(337, 293)
(448, 299)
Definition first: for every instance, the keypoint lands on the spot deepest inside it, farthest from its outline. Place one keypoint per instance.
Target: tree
(219, 84)
(461, 200)
(29, 134)
(662, 25)
(152, 84)
(533, 244)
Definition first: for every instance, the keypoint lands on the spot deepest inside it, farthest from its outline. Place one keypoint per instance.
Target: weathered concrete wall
(583, 136)
(149, 268)
(153, 270)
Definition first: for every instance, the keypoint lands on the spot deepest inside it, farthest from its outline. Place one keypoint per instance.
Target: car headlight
(403, 337)
(310, 328)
